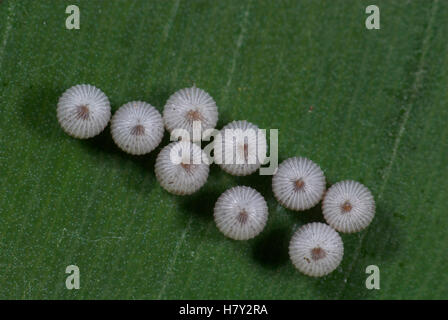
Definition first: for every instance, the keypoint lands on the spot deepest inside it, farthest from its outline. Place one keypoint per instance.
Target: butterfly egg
(241, 213)
(182, 168)
(188, 106)
(137, 127)
(316, 249)
(348, 206)
(240, 148)
(83, 111)
(298, 184)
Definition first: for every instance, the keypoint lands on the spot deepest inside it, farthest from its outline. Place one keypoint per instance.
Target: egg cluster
(241, 212)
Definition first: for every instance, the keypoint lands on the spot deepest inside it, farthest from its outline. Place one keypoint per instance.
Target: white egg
(83, 111)
(348, 206)
(137, 127)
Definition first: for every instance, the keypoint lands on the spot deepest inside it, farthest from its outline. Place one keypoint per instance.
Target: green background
(368, 105)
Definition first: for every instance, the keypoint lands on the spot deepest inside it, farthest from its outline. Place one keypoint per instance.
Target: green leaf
(368, 105)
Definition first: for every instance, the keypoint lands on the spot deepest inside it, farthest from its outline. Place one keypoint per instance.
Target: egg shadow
(201, 204)
(313, 214)
(384, 227)
(223, 120)
(141, 178)
(262, 184)
(270, 248)
(38, 110)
